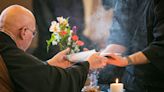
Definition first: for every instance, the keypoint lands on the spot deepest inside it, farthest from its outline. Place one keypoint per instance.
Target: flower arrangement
(64, 36)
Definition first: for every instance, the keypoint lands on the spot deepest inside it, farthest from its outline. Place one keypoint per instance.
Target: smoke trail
(129, 24)
(98, 27)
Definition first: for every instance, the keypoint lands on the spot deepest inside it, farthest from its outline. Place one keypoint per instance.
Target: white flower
(71, 31)
(57, 37)
(54, 42)
(54, 27)
(76, 49)
(74, 44)
(62, 21)
(69, 41)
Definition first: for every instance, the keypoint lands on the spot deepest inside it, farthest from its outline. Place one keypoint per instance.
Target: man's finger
(66, 51)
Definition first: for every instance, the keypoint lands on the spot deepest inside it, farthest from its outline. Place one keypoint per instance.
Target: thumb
(65, 51)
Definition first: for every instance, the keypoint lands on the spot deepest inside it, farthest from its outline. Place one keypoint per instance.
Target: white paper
(81, 56)
(107, 54)
(84, 55)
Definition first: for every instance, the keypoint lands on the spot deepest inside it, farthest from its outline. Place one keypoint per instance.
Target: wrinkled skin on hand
(96, 61)
(60, 60)
(116, 60)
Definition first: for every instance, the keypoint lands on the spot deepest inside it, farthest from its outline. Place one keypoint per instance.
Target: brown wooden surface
(6, 3)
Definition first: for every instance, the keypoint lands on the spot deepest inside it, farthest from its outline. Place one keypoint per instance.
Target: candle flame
(117, 80)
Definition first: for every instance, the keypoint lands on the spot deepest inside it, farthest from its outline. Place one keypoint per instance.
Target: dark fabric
(129, 23)
(138, 25)
(29, 74)
(109, 74)
(155, 49)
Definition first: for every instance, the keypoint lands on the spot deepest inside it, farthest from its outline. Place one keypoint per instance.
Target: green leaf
(49, 42)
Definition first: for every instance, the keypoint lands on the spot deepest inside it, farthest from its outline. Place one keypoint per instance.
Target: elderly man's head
(19, 23)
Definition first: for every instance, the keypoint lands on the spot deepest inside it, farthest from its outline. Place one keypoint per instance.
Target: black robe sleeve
(155, 51)
(31, 75)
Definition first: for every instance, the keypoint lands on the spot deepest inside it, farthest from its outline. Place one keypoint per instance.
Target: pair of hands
(60, 60)
(95, 60)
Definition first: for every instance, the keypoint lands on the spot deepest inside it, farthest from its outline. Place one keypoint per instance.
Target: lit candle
(116, 87)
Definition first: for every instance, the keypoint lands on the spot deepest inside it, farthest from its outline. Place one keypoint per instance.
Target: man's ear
(23, 33)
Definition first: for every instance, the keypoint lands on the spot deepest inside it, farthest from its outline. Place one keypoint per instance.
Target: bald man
(29, 74)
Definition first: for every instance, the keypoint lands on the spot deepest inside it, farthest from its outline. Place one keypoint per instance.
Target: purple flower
(74, 28)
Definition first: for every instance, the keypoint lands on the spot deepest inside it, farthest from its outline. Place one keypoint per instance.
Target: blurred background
(92, 19)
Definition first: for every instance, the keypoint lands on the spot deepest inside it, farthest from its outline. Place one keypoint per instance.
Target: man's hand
(96, 61)
(60, 59)
(116, 60)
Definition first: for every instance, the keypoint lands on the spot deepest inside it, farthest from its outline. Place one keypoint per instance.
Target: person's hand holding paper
(94, 58)
(81, 56)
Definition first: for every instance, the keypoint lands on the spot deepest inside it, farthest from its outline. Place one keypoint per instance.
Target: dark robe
(30, 74)
(139, 26)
